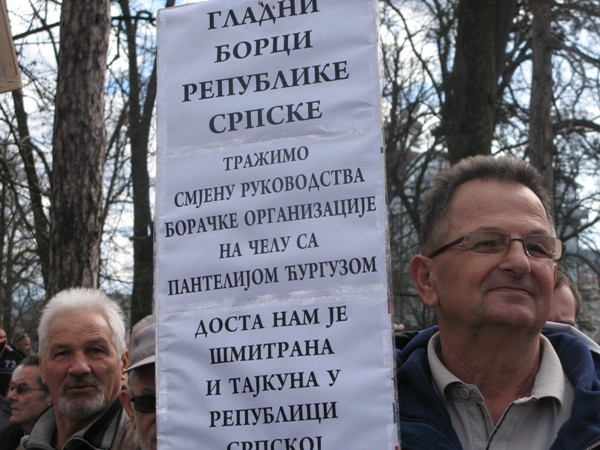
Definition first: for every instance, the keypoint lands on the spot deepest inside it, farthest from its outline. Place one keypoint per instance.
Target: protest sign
(274, 325)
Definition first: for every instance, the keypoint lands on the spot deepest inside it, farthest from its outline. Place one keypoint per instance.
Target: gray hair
(83, 299)
(434, 210)
(34, 361)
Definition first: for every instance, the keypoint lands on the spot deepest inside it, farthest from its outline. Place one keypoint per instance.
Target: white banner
(274, 328)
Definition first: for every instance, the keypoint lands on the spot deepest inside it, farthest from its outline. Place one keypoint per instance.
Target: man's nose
(80, 364)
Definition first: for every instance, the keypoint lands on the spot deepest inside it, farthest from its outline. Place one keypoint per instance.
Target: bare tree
(79, 146)
(38, 32)
(141, 109)
(19, 263)
(27, 149)
(470, 90)
(427, 88)
(540, 125)
(430, 98)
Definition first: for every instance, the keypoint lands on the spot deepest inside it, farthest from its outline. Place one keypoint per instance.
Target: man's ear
(125, 361)
(125, 397)
(422, 271)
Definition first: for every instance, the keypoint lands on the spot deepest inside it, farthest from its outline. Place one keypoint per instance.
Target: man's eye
(488, 243)
(534, 249)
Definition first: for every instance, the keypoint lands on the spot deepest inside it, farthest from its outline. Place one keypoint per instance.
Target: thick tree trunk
(468, 113)
(505, 12)
(79, 146)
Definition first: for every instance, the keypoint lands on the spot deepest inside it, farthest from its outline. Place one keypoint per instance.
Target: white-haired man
(82, 356)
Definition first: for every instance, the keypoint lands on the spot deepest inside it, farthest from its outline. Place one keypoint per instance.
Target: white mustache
(75, 382)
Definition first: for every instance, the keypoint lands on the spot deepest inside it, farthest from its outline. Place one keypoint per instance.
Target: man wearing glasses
(487, 376)
(29, 397)
(83, 355)
(140, 399)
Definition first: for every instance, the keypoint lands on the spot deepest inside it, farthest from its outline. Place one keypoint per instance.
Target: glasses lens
(21, 389)
(145, 403)
(488, 241)
(542, 246)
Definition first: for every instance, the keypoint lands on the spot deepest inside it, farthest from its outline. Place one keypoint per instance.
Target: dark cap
(142, 350)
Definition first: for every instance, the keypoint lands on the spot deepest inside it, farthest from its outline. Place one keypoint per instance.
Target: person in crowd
(139, 400)
(150, 319)
(5, 407)
(22, 344)
(566, 300)
(83, 355)
(9, 433)
(487, 376)
(29, 397)
(9, 359)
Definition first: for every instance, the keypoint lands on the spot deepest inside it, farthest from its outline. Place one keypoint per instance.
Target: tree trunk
(79, 146)
(140, 119)
(541, 148)
(505, 12)
(468, 112)
(139, 129)
(26, 150)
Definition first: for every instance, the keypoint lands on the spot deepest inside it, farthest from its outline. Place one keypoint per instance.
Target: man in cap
(140, 399)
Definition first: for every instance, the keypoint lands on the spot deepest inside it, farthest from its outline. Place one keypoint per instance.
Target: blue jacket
(425, 423)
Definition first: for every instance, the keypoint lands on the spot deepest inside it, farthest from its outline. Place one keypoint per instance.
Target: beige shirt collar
(549, 381)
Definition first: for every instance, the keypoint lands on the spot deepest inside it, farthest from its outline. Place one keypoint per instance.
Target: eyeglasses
(144, 403)
(538, 246)
(23, 388)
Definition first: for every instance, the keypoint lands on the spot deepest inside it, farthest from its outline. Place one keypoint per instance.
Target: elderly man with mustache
(82, 356)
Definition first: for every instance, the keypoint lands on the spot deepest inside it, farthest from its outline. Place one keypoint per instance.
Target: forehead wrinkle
(99, 341)
(27, 377)
(92, 324)
(463, 213)
(68, 339)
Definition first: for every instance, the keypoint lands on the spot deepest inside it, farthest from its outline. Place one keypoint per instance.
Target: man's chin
(82, 408)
